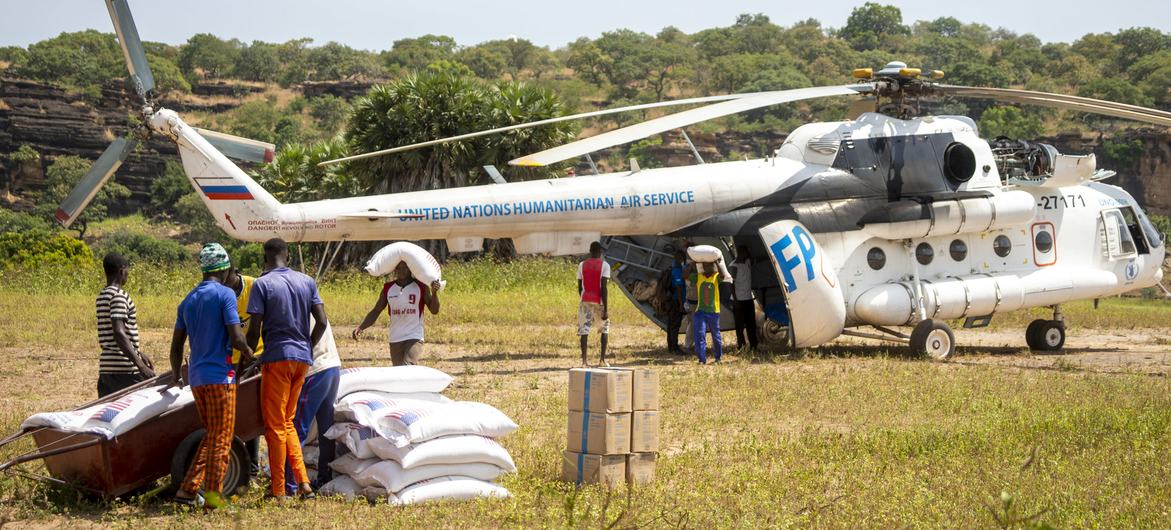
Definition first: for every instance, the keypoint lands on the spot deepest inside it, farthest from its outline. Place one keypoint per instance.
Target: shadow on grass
(504, 356)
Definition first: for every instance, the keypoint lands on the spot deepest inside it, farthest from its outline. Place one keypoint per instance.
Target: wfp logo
(1131, 270)
(802, 254)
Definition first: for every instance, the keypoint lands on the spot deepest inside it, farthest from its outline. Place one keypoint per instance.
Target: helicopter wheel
(1045, 335)
(934, 339)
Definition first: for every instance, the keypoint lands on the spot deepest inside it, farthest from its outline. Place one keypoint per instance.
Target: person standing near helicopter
(403, 300)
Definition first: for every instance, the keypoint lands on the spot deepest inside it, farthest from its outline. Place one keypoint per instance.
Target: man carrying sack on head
(208, 318)
(281, 302)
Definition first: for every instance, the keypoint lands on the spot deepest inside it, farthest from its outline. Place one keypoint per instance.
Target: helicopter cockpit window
(1136, 230)
(1119, 243)
(1155, 237)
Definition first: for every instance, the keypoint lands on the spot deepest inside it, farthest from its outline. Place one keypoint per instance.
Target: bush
(166, 190)
(137, 246)
(27, 241)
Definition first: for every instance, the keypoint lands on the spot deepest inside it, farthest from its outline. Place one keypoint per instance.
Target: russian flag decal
(227, 193)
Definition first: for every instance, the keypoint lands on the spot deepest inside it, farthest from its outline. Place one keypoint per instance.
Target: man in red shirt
(592, 276)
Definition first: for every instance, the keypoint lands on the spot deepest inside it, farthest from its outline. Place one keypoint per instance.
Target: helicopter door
(1119, 244)
(817, 310)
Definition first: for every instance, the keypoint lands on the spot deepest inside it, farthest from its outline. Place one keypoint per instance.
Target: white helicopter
(888, 219)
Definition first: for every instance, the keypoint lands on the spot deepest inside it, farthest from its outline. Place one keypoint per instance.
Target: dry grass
(873, 440)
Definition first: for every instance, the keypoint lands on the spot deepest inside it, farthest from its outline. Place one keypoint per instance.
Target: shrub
(141, 247)
(166, 190)
(29, 241)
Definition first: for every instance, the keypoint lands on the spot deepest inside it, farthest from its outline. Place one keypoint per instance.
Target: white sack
(113, 418)
(349, 464)
(406, 425)
(342, 485)
(359, 439)
(396, 379)
(462, 449)
(391, 476)
(365, 408)
(448, 488)
(422, 264)
(704, 254)
(310, 454)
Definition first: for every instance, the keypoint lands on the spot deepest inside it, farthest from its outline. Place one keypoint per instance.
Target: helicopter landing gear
(1046, 335)
(934, 339)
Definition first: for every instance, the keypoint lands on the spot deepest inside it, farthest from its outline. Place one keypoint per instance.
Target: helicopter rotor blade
(1063, 101)
(238, 147)
(132, 49)
(642, 130)
(498, 130)
(101, 171)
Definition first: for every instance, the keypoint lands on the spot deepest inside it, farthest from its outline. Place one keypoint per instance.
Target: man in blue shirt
(207, 317)
(675, 307)
(281, 303)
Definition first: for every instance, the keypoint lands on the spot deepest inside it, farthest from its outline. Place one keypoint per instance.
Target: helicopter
(892, 218)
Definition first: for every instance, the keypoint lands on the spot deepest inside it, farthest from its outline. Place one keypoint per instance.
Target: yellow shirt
(708, 287)
(242, 308)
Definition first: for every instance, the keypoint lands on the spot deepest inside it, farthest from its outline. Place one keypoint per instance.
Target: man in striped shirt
(121, 364)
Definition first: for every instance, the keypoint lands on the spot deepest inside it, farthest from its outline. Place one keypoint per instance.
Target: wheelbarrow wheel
(237, 475)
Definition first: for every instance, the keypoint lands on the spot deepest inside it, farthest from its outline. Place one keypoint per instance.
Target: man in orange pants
(280, 305)
(208, 317)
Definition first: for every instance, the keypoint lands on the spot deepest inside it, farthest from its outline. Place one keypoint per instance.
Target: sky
(375, 24)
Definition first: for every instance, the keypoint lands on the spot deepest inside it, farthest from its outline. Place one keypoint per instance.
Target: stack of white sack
(422, 264)
(701, 254)
(408, 443)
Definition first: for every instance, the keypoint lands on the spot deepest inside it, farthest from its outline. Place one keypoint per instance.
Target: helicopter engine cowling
(911, 219)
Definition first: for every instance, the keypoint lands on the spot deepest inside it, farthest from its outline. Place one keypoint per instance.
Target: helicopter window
(1136, 230)
(958, 250)
(1043, 241)
(924, 254)
(876, 258)
(1155, 237)
(1119, 243)
(959, 162)
(1002, 245)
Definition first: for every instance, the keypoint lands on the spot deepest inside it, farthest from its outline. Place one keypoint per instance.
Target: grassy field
(841, 437)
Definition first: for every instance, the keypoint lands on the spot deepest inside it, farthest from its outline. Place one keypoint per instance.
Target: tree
(335, 61)
(1010, 122)
(1136, 43)
(168, 77)
(485, 62)
(259, 61)
(437, 104)
(208, 56)
(329, 112)
(870, 25)
(167, 189)
(589, 61)
(85, 59)
(62, 176)
(12, 55)
(1116, 90)
(417, 53)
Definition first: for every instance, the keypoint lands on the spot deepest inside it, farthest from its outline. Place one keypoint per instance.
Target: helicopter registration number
(1052, 202)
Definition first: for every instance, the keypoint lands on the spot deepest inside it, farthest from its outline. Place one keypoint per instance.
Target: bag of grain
(422, 264)
(397, 379)
(391, 476)
(459, 449)
(405, 425)
(359, 439)
(350, 464)
(448, 488)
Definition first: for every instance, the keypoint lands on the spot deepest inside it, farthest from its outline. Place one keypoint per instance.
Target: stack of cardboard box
(613, 428)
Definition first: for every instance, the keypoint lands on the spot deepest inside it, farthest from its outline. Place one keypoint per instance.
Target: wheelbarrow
(161, 446)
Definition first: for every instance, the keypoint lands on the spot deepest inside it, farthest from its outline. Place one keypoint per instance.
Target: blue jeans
(702, 322)
(318, 395)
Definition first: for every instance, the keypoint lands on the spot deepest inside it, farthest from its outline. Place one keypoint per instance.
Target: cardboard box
(582, 468)
(640, 468)
(600, 390)
(645, 388)
(644, 431)
(598, 434)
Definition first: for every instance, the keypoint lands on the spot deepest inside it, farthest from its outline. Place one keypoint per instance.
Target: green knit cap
(213, 258)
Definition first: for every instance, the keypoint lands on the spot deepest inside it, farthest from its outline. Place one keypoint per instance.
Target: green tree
(168, 77)
(329, 112)
(871, 25)
(295, 176)
(85, 60)
(259, 61)
(1136, 43)
(62, 176)
(417, 53)
(1116, 90)
(437, 104)
(208, 56)
(485, 62)
(589, 61)
(12, 55)
(1010, 122)
(167, 189)
(335, 61)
